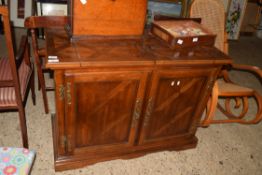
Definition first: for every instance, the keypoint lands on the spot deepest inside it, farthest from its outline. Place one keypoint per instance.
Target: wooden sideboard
(125, 97)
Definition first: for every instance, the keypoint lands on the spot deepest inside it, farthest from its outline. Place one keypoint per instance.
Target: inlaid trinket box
(182, 33)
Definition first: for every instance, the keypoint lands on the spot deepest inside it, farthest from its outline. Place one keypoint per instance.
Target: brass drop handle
(68, 93)
(149, 110)
(61, 92)
(137, 112)
(177, 83)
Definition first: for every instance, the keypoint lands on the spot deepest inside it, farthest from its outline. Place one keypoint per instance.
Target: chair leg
(258, 117)
(45, 100)
(39, 86)
(241, 118)
(32, 87)
(41, 81)
(23, 127)
(211, 108)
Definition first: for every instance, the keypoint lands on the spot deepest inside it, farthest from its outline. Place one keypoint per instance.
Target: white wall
(18, 22)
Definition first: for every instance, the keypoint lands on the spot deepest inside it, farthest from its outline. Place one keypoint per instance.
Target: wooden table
(125, 97)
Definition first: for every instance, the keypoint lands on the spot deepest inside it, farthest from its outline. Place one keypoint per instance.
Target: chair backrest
(45, 21)
(39, 23)
(212, 13)
(36, 22)
(13, 62)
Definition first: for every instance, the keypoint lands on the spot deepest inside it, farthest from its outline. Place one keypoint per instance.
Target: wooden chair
(38, 22)
(16, 76)
(213, 18)
(1, 24)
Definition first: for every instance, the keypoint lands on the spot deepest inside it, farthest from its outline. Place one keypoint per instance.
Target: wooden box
(107, 17)
(182, 33)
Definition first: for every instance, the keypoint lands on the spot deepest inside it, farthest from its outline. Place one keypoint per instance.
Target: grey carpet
(222, 149)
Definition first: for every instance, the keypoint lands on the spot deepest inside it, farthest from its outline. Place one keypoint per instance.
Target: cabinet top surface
(120, 51)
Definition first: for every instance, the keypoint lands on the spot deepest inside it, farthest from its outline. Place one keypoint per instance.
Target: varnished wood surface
(33, 24)
(107, 17)
(58, 44)
(70, 162)
(120, 97)
(101, 110)
(115, 51)
(174, 96)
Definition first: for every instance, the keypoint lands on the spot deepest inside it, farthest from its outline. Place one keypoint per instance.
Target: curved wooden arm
(253, 69)
(242, 67)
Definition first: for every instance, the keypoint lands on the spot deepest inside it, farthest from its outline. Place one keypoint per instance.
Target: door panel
(103, 108)
(171, 106)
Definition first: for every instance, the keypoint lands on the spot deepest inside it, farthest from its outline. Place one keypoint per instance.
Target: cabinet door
(102, 109)
(173, 104)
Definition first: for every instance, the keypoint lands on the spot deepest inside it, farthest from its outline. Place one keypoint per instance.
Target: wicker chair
(213, 18)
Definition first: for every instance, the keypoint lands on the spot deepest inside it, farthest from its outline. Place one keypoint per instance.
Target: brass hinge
(61, 92)
(137, 112)
(63, 141)
(149, 110)
(68, 93)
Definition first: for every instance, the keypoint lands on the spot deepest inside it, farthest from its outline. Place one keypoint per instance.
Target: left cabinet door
(102, 110)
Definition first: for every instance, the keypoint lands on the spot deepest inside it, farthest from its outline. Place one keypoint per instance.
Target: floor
(222, 149)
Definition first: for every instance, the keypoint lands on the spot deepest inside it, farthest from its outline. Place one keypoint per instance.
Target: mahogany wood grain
(173, 98)
(112, 51)
(107, 17)
(126, 97)
(96, 100)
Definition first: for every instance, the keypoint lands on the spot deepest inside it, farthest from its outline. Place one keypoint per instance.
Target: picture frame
(54, 9)
(171, 8)
(234, 18)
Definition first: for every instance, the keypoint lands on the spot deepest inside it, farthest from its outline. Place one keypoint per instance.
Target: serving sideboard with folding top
(122, 96)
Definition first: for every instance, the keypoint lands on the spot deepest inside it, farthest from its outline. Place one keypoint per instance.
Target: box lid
(108, 17)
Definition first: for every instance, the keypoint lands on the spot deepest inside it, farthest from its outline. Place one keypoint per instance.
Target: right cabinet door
(175, 102)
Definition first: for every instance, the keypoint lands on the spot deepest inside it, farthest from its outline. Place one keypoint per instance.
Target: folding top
(107, 17)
